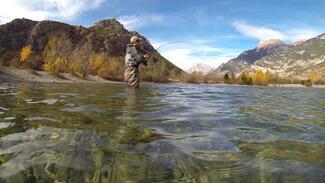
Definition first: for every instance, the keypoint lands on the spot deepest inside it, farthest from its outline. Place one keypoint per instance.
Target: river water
(161, 133)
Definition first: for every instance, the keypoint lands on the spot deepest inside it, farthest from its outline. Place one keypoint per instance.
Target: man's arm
(138, 57)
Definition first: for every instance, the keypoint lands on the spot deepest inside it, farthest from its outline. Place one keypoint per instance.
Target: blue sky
(199, 31)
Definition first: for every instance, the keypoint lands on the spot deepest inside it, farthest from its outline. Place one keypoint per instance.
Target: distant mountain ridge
(248, 57)
(296, 59)
(203, 68)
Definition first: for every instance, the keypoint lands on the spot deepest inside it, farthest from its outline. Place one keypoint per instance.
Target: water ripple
(161, 133)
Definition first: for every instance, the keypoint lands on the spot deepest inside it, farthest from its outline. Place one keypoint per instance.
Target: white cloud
(133, 22)
(302, 34)
(186, 55)
(129, 22)
(185, 59)
(261, 33)
(44, 9)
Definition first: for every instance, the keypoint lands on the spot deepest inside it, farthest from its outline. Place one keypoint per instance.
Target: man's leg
(132, 76)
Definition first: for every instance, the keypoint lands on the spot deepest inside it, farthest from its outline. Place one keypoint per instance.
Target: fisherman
(133, 59)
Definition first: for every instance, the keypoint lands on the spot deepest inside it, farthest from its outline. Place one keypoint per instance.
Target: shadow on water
(160, 133)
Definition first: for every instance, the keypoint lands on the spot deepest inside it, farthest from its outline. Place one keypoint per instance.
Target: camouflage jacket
(132, 57)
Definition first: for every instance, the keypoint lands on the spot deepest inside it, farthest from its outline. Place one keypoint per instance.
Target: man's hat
(134, 39)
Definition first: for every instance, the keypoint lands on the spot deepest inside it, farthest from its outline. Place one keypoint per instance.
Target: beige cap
(134, 39)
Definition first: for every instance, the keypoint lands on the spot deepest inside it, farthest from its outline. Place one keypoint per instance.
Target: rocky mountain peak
(270, 43)
(203, 68)
(108, 23)
(21, 21)
(245, 59)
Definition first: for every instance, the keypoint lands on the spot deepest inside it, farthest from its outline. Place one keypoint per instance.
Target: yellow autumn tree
(97, 61)
(73, 68)
(49, 55)
(111, 69)
(313, 77)
(25, 52)
(49, 67)
(268, 76)
(59, 65)
(260, 78)
(56, 54)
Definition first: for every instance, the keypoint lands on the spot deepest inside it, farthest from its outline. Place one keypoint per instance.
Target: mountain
(203, 68)
(297, 59)
(77, 46)
(245, 59)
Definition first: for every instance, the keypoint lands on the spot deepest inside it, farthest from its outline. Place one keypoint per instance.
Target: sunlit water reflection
(161, 133)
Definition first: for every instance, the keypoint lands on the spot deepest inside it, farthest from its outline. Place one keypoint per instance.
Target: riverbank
(23, 75)
(270, 85)
(8, 74)
(296, 86)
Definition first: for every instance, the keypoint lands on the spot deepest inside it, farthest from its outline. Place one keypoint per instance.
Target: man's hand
(146, 56)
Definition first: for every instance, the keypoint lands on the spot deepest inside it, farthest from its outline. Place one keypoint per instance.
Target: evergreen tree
(226, 77)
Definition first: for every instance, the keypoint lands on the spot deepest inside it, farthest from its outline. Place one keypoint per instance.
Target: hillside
(59, 48)
(245, 59)
(296, 60)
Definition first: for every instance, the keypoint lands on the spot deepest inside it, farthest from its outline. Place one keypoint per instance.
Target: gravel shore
(23, 75)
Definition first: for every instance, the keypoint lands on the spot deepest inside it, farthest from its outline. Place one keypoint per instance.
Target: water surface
(161, 133)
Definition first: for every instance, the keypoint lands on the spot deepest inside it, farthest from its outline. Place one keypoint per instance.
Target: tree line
(59, 57)
(246, 77)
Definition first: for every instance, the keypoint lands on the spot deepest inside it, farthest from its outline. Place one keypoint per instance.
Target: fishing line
(175, 42)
